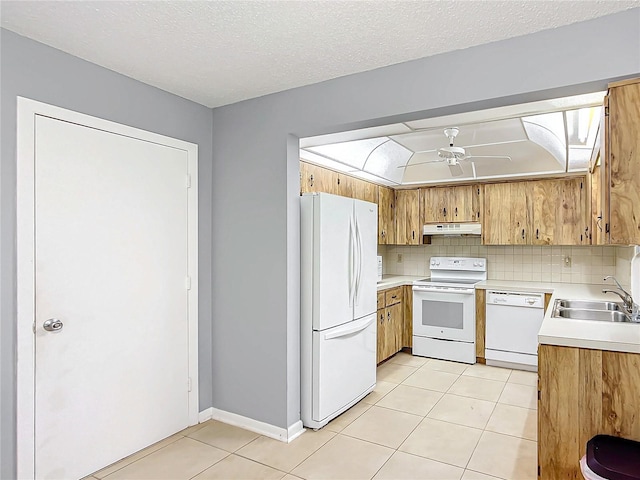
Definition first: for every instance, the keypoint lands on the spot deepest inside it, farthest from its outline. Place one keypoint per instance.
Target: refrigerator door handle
(359, 263)
(352, 253)
(349, 328)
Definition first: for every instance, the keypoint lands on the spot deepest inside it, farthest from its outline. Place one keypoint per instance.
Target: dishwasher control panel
(515, 299)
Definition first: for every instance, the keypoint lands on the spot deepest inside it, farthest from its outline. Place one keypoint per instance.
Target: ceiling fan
(453, 155)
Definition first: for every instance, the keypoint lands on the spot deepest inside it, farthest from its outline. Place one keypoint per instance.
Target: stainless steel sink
(601, 311)
(588, 305)
(598, 315)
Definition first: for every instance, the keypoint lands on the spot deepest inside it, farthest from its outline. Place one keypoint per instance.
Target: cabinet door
(382, 335)
(394, 328)
(477, 203)
(571, 212)
(386, 216)
(624, 160)
(407, 320)
(435, 205)
(520, 223)
(363, 190)
(317, 179)
(597, 225)
(544, 193)
(497, 214)
(345, 185)
(461, 204)
(408, 228)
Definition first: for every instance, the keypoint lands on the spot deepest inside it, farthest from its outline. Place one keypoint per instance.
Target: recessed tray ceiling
(551, 137)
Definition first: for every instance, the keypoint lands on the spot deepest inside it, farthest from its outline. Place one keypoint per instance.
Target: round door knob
(52, 325)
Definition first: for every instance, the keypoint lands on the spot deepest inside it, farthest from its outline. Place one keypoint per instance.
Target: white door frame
(25, 232)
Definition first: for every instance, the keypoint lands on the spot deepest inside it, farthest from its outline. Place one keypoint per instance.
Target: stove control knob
(433, 262)
(475, 264)
(481, 264)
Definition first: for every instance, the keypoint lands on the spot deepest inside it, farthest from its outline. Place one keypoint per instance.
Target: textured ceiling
(220, 52)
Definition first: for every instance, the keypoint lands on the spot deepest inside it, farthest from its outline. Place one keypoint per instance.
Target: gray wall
(255, 203)
(36, 71)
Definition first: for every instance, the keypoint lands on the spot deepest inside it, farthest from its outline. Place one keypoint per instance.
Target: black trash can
(611, 458)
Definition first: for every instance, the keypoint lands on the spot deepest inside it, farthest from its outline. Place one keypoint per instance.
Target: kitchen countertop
(613, 336)
(390, 281)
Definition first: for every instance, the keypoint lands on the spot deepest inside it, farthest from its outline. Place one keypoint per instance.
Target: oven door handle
(453, 291)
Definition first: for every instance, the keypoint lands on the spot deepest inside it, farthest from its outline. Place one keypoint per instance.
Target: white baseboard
(294, 431)
(266, 429)
(205, 415)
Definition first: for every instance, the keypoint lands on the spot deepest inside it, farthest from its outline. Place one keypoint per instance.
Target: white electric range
(444, 309)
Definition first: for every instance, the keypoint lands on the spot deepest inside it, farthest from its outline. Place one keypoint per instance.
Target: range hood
(452, 229)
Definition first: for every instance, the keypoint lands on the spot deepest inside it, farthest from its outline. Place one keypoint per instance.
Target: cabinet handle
(456, 211)
(381, 318)
(537, 234)
(394, 296)
(444, 211)
(523, 233)
(311, 179)
(413, 234)
(389, 316)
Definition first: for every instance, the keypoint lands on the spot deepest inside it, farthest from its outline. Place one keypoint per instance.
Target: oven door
(444, 313)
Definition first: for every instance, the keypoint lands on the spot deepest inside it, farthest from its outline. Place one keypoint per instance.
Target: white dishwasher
(513, 321)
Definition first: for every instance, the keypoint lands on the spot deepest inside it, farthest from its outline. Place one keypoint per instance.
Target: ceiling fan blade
(422, 163)
(507, 157)
(426, 151)
(456, 170)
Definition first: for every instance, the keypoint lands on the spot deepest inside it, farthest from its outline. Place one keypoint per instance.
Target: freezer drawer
(344, 366)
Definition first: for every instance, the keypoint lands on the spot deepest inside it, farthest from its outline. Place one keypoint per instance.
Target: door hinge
(188, 180)
(188, 283)
(606, 110)
(189, 383)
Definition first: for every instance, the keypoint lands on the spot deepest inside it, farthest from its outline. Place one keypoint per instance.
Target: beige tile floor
(426, 419)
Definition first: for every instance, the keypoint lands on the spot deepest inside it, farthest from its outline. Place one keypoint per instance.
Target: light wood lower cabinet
(394, 311)
(582, 393)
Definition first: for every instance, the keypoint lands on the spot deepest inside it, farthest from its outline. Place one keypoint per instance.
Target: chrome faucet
(632, 308)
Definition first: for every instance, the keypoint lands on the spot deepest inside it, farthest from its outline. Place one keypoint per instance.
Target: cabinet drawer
(381, 299)
(393, 296)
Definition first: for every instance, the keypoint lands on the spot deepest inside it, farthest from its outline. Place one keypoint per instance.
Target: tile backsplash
(586, 264)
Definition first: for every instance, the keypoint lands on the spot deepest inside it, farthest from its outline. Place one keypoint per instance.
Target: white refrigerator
(338, 304)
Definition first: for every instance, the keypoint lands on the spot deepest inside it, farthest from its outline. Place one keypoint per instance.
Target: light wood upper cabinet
(317, 179)
(386, 216)
(408, 227)
(572, 212)
(520, 214)
(363, 190)
(622, 163)
(496, 226)
(435, 204)
(544, 211)
(451, 204)
(536, 212)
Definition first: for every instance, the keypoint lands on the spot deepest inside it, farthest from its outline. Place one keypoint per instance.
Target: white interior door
(111, 265)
